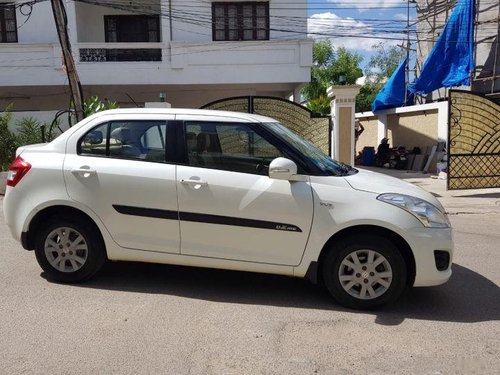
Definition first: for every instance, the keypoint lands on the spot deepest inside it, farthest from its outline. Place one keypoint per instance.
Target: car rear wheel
(69, 250)
(364, 272)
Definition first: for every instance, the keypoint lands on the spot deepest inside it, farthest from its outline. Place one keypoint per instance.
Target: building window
(240, 21)
(132, 28)
(8, 25)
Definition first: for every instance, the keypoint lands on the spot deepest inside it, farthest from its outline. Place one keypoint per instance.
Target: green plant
(28, 131)
(320, 105)
(94, 104)
(8, 142)
(52, 130)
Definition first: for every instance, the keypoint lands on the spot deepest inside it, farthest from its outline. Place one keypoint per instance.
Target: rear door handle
(196, 184)
(84, 171)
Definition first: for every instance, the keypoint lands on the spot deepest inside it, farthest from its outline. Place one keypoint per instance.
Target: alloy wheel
(365, 274)
(66, 249)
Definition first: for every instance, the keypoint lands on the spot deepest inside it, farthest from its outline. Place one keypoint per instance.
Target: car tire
(364, 272)
(69, 249)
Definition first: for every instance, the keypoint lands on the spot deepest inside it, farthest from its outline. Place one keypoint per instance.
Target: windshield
(314, 154)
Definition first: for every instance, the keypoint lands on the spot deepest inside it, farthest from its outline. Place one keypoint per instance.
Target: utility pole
(408, 46)
(61, 20)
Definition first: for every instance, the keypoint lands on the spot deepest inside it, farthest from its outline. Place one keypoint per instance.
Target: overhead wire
(331, 26)
(204, 20)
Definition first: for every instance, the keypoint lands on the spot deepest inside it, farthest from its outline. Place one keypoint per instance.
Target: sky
(359, 24)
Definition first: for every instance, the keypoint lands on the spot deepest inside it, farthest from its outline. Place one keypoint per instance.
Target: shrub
(52, 130)
(28, 131)
(8, 141)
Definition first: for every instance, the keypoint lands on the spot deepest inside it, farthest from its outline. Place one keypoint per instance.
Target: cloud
(403, 16)
(363, 80)
(345, 32)
(363, 5)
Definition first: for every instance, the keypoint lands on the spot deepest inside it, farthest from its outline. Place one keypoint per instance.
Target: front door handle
(195, 184)
(84, 171)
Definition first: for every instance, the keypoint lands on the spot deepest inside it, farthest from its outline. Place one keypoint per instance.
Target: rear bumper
(16, 208)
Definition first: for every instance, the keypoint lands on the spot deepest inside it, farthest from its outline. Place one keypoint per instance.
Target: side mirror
(282, 169)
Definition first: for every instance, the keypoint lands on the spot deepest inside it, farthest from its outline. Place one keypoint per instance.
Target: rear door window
(138, 140)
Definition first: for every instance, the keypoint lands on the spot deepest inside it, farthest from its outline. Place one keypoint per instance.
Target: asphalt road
(155, 319)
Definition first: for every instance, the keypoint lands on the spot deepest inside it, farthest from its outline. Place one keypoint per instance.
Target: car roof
(250, 117)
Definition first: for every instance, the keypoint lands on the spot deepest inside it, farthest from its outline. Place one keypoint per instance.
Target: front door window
(229, 147)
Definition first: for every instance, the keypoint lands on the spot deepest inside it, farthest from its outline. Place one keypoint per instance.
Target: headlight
(428, 214)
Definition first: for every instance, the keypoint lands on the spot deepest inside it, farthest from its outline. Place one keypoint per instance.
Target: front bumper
(425, 244)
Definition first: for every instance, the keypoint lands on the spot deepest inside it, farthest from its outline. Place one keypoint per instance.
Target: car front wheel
(364, 272)
(69, 250)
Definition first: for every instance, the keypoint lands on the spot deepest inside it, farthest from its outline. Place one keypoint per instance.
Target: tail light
(17, 171)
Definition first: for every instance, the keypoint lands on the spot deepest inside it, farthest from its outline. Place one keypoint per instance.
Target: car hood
(379, 183)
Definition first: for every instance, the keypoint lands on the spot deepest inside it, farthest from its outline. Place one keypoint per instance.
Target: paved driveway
(155, 319)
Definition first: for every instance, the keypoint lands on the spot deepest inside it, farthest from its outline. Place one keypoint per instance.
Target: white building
(131, 51)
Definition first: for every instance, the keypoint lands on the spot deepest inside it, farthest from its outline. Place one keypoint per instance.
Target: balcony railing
(119, 54)
(116, 52)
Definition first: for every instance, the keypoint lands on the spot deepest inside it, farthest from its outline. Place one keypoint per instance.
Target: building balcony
(173, 63)
(183, 63)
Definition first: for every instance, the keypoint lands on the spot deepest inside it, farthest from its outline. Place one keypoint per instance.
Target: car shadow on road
(468, 297)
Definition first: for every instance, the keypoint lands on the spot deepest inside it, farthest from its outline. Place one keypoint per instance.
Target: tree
(380, 68)
(331, 67)
(385, 61)
(366, 96)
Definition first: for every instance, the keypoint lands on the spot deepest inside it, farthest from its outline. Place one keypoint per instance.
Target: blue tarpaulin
(393, 93)
(452, 59)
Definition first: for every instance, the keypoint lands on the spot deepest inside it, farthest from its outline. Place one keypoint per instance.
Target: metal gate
(316, 129)
(474, 142)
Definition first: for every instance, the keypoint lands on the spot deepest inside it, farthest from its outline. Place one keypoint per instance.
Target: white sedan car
(222, 190)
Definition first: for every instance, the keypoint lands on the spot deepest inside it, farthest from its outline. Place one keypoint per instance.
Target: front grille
(442, 259)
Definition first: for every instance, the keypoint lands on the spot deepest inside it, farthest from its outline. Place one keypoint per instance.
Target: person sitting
(383, 152)
(127, 146)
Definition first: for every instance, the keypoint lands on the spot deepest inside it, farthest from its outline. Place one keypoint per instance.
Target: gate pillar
(343, 111)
